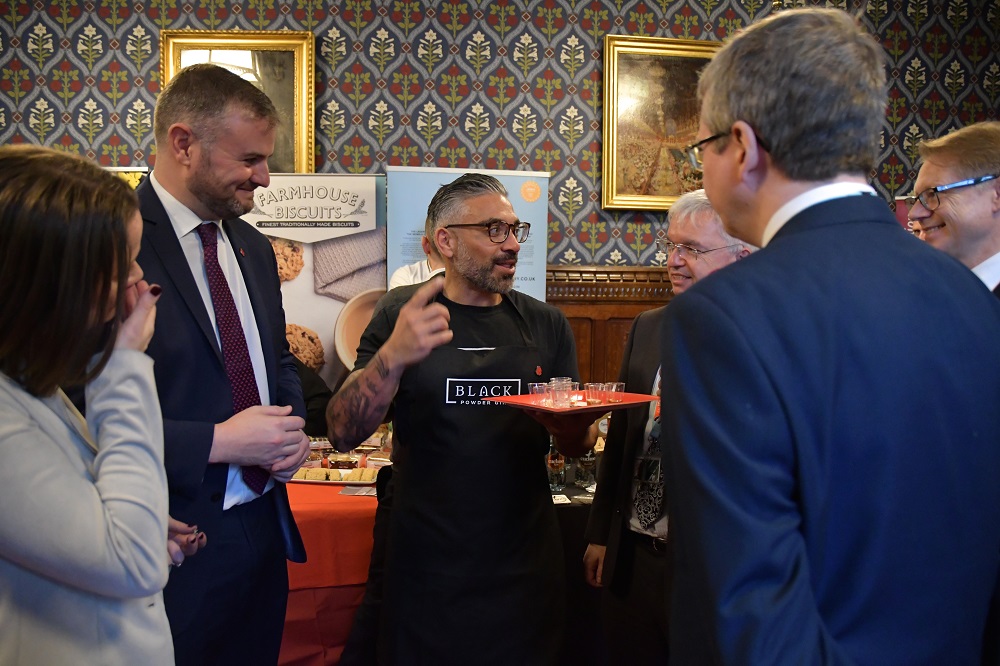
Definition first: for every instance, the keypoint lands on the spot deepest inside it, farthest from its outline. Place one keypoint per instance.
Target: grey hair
(450, 197)
(696, 207)
(812, 85)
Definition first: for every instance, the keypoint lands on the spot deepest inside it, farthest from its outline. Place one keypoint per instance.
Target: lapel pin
(538, 371)
(242, 253)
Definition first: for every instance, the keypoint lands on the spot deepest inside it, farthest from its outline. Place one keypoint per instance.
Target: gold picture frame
(650, 115)
(266, 58)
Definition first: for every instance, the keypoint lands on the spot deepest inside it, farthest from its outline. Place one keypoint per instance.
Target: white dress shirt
(989, 271)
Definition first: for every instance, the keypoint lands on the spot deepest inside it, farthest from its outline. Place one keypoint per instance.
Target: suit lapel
(645, 362)
(160, 238)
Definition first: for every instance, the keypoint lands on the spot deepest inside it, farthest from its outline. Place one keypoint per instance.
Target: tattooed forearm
(361, 404)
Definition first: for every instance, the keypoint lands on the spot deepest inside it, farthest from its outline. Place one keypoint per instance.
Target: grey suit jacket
(83, 554)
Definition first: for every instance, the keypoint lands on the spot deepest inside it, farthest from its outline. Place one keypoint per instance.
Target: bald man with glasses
(957, 205)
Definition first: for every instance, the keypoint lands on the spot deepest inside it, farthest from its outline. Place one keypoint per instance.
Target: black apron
(475, 566)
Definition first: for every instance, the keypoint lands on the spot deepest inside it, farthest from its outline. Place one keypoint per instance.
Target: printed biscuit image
(288, 254)
(305, 345)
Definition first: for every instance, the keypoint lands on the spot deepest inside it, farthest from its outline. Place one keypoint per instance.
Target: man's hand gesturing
(422, 325)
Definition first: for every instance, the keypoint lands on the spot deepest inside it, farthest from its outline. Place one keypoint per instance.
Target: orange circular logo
(530, 191)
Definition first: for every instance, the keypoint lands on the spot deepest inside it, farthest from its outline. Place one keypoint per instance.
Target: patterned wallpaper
(511, 84)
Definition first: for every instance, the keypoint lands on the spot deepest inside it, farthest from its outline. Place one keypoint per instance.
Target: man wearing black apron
(474, 570)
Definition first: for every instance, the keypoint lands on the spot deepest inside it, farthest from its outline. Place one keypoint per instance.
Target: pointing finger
(427, 292)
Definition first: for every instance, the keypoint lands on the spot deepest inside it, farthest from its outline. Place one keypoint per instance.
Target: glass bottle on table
(585, 466)
(556, 464)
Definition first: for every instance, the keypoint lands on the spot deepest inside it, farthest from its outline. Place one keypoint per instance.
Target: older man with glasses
(697, 243)
(957, 205)
(832, 482)
(628, 552)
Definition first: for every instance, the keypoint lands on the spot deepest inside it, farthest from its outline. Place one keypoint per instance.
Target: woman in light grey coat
(84, 527)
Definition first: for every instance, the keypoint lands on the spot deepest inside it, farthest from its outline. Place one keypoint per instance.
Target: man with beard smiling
(474, 568)
(229, 391)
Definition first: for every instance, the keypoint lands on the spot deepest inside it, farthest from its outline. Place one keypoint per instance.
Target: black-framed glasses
(684, 249)
(929, 198)
(499, 230)
(694, 151)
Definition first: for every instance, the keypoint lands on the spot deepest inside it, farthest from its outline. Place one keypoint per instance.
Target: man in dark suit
(231, 399)
(832, 470)
(956, 207)
(628, 553)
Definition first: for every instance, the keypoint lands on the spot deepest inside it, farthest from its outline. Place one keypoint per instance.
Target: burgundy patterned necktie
(235, 353)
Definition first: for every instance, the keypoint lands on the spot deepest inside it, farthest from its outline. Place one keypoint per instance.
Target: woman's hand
(183, 541)
(140, 315)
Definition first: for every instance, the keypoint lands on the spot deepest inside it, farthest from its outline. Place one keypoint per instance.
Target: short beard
(481, 276)
(204, 186)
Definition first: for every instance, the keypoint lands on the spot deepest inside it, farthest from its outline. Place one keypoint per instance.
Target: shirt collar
(810, 198)
(989, 271)
(181, 217)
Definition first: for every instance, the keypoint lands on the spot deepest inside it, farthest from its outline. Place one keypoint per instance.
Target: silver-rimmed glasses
(686, 250)
(929, 198)
(498, 230)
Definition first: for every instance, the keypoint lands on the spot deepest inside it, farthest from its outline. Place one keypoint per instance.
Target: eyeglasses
(498, 231)
(929, 198)
(667, 247)
(693, 151)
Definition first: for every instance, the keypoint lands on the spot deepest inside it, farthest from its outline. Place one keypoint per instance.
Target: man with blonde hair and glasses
(832, 478)
(956, 207)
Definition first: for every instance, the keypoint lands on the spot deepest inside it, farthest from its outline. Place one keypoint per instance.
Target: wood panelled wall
(600, 303)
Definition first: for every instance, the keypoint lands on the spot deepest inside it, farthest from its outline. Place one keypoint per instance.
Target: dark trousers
(635, 610)
(226, 604)
(365, 636)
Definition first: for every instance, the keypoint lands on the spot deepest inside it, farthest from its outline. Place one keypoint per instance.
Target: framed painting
(281, 63)
(650, 115)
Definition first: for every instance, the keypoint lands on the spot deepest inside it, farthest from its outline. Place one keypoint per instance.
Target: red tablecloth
(325, 591)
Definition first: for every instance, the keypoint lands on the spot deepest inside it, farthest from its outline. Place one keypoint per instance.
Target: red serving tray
(627, 400)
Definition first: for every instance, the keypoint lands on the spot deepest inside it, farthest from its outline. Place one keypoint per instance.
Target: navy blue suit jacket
(612, 508)
(831, 410)
(195, 393)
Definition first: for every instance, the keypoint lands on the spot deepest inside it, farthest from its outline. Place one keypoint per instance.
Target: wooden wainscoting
(600, 303)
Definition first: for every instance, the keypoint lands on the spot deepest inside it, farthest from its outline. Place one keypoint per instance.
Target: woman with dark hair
(82, 535)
